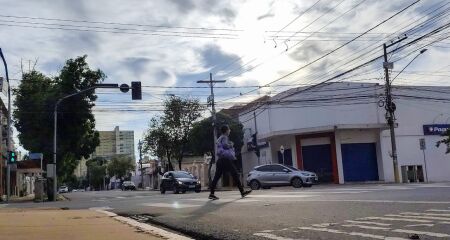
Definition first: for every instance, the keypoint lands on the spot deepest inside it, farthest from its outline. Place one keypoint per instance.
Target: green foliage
(96, 172)
(445, 141)
(168, 136)
(201, 136)
(35, 100)
(120, 166)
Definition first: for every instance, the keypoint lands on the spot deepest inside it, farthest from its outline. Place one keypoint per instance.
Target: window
(266, 168)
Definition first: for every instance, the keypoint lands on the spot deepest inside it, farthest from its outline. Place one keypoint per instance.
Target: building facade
(339, 131)
(112, 143)
(115, 143)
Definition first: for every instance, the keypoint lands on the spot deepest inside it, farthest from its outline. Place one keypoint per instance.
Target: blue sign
(435, 129)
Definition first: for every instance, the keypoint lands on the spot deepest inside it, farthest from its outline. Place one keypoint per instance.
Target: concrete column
(337, 139)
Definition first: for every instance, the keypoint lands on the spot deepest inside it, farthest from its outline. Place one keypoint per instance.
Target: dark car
(179, 181)
(128, 185)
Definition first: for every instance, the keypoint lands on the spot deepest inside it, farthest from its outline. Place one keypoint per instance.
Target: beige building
(111, 143)
(115, 143)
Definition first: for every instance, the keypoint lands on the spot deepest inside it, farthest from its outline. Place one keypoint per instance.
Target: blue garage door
(360, 162)
(317, 159)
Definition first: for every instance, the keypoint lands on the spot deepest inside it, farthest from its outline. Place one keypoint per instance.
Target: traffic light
(255, 144)
(136, 92)
(12, 157)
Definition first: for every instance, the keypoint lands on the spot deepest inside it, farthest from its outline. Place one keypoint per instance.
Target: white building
(339, 131)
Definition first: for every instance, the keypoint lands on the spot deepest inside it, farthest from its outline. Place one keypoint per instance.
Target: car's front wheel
(255, 185)
(296, 182)
(162, 190)
(175, 190)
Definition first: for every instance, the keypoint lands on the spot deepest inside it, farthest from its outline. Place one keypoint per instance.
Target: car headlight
(305, 174)
(198, 182)
(180, 182)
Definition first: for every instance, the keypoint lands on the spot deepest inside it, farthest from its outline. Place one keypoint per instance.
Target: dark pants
(223, 166)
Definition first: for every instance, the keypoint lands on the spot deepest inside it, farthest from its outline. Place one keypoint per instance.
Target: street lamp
(136, 93)
(421, 52)
(8, 139)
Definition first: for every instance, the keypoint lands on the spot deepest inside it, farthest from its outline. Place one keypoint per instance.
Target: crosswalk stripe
(170, 205)
(437, 210)
(273, 236)
(418, 217)
(370, 223)
(427, 214)
(366, 227)
(360, 234)
(397, 219)
(431, 234)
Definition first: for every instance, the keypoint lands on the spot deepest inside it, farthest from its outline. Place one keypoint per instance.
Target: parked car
(279, 175)
(63, 189)
(179, 181)
(128, 185)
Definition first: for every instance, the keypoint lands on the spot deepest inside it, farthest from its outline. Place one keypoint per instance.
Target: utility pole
(140, 163)
(8, 139)
(213, 113)
(390, 107)
(256, 139)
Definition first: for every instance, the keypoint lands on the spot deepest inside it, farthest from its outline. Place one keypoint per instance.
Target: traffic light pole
(256, 139)
(214, 119)
(55, 128)
(8, 139)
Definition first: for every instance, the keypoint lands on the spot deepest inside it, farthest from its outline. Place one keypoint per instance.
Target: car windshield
(182, 175)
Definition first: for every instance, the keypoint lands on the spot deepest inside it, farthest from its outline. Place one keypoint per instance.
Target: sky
(174, 43)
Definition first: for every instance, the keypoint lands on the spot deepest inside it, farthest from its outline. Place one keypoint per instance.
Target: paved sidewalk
(58, 224)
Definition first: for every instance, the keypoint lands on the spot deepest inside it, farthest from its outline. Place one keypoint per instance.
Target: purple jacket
(225, 148)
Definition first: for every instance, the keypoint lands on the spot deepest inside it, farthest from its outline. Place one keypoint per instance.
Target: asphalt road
(384, 211)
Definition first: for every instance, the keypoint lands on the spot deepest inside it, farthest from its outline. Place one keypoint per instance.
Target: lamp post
(8, 139)
(55, 127)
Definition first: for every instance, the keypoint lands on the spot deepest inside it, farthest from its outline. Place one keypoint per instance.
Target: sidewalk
(55, 224)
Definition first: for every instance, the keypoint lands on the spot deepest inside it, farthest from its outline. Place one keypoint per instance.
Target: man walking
(224, 163)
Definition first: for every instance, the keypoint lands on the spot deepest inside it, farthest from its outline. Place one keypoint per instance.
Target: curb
(144, 226)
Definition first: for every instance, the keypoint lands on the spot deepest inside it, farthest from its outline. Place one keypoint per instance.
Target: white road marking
(421, 225)
(274, 237)
(397, 219)
(437, 210)
(370, 223)
(418, 217)
(241, 200)
(371, 201)
(151, 229)
(321, 192)
(121, 197)
(170, 205)
(427, 214)
(3, 205)
(280, 196)
(366, 227)
(321, 225)
(360, 234)
(431, 234)
(444, 222)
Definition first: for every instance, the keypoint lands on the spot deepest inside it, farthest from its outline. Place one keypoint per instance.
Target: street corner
(80, 224)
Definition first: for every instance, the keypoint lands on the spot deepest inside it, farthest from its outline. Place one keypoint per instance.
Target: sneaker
(213, 197)
(245, 193)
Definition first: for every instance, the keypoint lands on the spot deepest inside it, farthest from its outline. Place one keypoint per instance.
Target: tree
(445, 141)
(120, 166)
(201, 135)
(168, 135)
(157, 142)
(35, 99)
(96, 172)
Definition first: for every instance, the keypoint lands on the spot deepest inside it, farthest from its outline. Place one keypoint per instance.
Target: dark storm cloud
(183, 6)
(214, 58)
(210, 7)
(307, 52)
(137, 64)
(267, 15)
